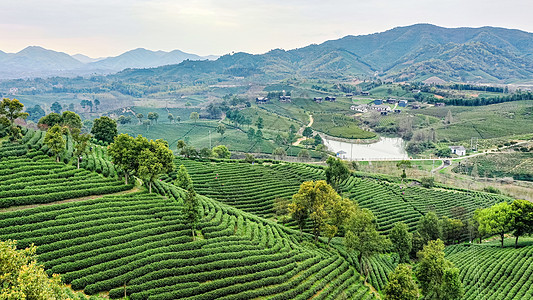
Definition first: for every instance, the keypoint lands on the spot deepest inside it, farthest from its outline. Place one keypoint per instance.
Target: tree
(308, 132)
(178, 119)
(71, 119)
(81, 141)
(140, 117)
(279, 153)
(258, 136)
(448, 119)
(311, 201)
(49, 121)
(522, 216)
(451, 229)
(428, 227)
(23, 278)
(304, 154)
(151, 117)
(124, 152)
(403, 164)
(339, 212)
(194, 116)
(318, 140)
(35, 113)
(427, 182)
(189, 151)
(183, 179)
(292, 128)
(221, 129)
(155, 160)
(336, 171)
(362, 237)
(124, 120)
(249, 158)
(55, 141)
(10, 110)
(259, 123)
(251, 134)
(438, 277)
(221, 151)
(170, 118)
(401, 241)
(205, 152)
(401, 285)
(56, 107)
(281, 209)
(496, 219)
(104, 129)
(180, 145)
(96, 103)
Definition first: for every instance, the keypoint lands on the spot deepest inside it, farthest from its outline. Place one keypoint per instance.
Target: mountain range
(35, 61)
(415, 52)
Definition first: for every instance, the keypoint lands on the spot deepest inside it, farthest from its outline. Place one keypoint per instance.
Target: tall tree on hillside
(522, 215)
(251, 134)
(55, 141)
(221, 129)
(428, 227)
(495, 220)
(401, 240)
(96, 103)
(339, 212)
(259, 123)
(125, 151)
(151, 117)
(81, 143)
(71, 119)
(191, 205)
(140, 117)
(449, 118)
(308, 132)
(50, 120)
(336, 172)
(56, 107)
(170, 118)
(362, 237)
(403, 164)
(401, 285)
(155, 160)
(10, 110)
(104, 129)
(194, 116)
(36, 112)
(438, 277)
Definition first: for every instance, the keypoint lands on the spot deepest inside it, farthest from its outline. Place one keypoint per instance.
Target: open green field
(518, 165)
(340, 126)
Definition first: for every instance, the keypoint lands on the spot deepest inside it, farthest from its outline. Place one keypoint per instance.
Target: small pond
(384, 149)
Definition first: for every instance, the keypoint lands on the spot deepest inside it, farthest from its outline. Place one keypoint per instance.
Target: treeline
(472, 87)
(482, 100)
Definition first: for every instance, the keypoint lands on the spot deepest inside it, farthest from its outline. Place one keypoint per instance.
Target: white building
(458, 150)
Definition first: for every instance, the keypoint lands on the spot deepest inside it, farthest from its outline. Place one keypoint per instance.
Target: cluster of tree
(139, 156)
(21, 277)
(503, 218)
(220, 151)
(191, 205)
(10, 110)
(35, 113)
(473, 87)
(276, 94)
(237, 117)
(483, 100)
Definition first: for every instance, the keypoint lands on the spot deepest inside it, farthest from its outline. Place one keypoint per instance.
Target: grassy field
(340, 126)
(517, 165)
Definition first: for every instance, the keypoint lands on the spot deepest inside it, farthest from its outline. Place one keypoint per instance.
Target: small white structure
(380, 108)
(341, 154)
(359, 108)
(458, 150)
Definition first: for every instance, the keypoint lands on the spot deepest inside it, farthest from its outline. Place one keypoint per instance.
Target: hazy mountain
(86, 59)
(142, 58)
(404, 53)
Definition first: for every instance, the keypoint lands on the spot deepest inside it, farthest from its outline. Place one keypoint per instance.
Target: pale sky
(110, 27)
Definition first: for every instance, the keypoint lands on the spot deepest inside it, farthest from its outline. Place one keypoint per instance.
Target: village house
(284, 98)
(341, 154)
(378, 101)
(458, 150)
(397, 111)
(330, 98)
(317, 99)
(402, 103)
(261, 100)
(415, 106)
(365, 93)
(439, 104)
(391, 101)
(360, 108)
(380, 108)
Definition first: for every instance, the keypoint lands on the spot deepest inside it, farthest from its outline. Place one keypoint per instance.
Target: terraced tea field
(490, 272)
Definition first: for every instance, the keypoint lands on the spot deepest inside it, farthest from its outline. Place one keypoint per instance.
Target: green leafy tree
(401, 285)
(451, 229)
(178, 119)
(339, 212)
(155, 160)
(71, 119)
(249, 158)
(304, 154)
(404, 164)
(401, 241)
(56, 107)
(183, 179)
(50, 120)
(23, 278)
(336, 171)
(308, 132)
(438, 277)
(312, 201)
(259, 123)
(191, 208)
(318, 140)
(125, 151)
(429, 227)
(10, 110)
(522, 216)
(221, 129)
(140, 117)
(104, 129)
(55, 141)
(81, 143)
(221, 151)
(194, 116)
(96, 103)
(251, 134)
(205, 152)
(124, 120)
(151, 117)
(496, 219)
(35, 113)
(170, 118)
(362, 237)
(279, 152)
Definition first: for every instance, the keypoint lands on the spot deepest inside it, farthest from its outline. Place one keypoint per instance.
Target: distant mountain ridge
(416, 52)
(35, 61)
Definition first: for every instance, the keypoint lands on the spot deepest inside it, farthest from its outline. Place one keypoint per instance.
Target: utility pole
(210, 139)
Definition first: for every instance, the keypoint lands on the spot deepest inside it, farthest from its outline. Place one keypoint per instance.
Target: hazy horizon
(109, 28)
